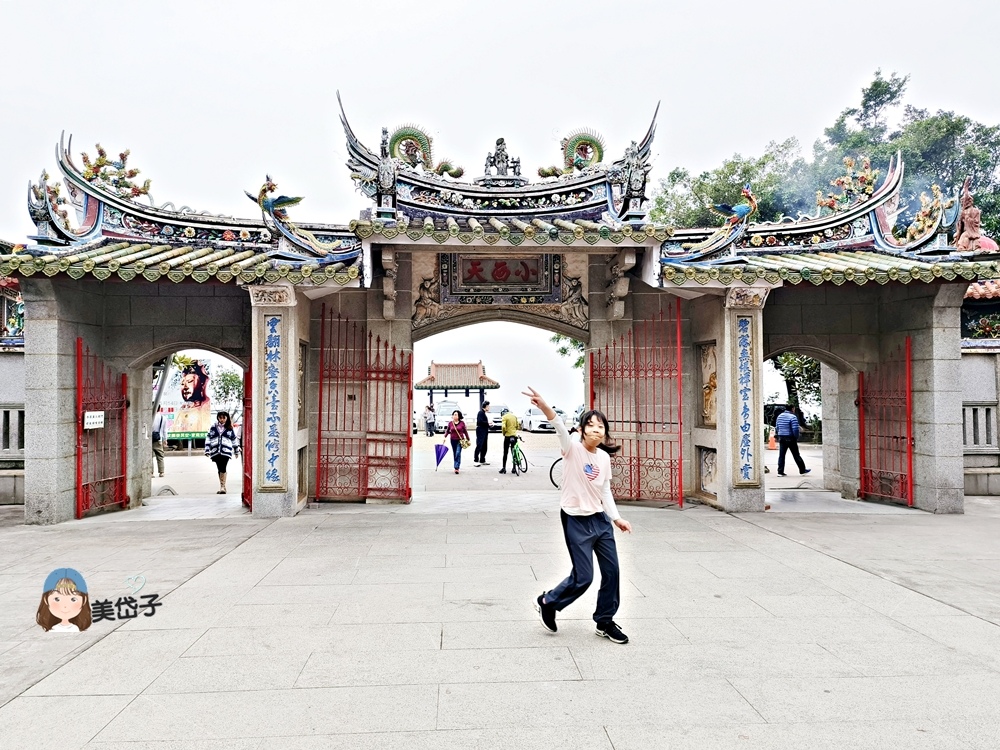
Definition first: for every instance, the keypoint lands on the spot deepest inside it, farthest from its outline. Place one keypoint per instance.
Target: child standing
(587, 512)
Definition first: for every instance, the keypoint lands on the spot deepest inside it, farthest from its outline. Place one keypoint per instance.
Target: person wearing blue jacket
(786, 427)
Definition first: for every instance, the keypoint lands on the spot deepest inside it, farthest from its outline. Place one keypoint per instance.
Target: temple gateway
(323, 317)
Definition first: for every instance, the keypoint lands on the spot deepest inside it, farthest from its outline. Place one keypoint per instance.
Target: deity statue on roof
(499, 158)
(969, 222)
(508, 169)
(636, 171)
(386, 167)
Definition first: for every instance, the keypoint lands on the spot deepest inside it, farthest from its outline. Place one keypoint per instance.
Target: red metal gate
(246, 439)
(365, 407)
(101, 451)
(636, 382)
(885, 421)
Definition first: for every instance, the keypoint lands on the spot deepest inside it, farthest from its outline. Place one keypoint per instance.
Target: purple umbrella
(440, 451)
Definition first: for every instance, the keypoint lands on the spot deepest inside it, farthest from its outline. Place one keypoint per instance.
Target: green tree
(684, 199)
(802, 377)
(570, 347)
(227, 388)
(942, 148)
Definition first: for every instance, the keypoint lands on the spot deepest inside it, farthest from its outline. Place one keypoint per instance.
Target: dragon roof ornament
(402, 176)
(102, 197)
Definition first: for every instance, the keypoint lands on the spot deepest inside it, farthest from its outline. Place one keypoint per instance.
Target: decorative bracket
(618, 283)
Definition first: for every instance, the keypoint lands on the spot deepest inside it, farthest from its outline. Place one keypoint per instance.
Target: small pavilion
(457, 377)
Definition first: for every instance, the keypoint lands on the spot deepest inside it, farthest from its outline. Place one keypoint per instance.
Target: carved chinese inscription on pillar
(272, 402)
(746, 464)
(501, 280)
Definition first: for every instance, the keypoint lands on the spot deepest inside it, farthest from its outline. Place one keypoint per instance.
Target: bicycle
(520, 461)
(556, 473)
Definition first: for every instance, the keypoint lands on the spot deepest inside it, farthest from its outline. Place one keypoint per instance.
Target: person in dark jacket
(786, 427)
(221, 445)
(482, 435)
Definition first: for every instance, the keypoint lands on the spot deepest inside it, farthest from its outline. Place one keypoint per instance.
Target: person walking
(508, 428)
(159, 435)
(221, 445)
(430, 420)
(786, 427)
(587, 512)
(482, 435)
(459, 436)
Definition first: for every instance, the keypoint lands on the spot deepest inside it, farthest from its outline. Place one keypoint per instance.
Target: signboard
(93, 420)
(501, 279)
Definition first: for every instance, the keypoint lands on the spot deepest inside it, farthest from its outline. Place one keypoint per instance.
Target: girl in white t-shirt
(587, 512)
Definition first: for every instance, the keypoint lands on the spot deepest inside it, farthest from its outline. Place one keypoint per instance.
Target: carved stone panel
(709, 383)
(271, 296)
(707, 471)
(747, 297)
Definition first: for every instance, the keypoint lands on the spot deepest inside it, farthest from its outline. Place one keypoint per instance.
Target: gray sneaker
(611, 631)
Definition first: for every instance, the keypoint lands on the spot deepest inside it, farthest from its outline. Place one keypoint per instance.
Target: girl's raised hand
(535, 397)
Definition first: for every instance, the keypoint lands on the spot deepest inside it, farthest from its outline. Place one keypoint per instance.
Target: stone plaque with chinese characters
(501, 280)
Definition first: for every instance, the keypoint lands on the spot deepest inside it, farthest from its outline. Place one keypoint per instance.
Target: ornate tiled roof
(456, 377)
(114, 234)
(514, 231)
(824, 267)
(175, 261)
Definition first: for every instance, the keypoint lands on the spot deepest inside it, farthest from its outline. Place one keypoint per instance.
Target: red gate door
(246, 439)
(636, 382)
(340, 448)
(100, 451)
(885, 423)
(365, 407)
(390, 411)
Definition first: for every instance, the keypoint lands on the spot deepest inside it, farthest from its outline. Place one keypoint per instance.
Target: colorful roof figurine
(94, 224)
(456, 377)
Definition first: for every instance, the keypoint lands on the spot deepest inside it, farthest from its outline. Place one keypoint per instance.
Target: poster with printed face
(191, 393)
(186, 404)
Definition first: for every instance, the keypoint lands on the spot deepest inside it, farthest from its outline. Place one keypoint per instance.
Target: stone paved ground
(399, 627)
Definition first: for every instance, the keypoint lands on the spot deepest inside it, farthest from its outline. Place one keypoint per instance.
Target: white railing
(979, 427)
(11, 431)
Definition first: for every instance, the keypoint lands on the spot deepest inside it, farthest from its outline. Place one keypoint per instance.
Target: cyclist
(587, 512)
(508, 426)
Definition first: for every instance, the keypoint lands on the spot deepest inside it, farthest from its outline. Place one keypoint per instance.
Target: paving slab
(353, 626)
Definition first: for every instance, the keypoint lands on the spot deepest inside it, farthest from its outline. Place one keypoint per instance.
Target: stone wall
(130, 326)
(851, 328)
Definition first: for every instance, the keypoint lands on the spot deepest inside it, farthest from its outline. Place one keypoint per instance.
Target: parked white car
(534, 421)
